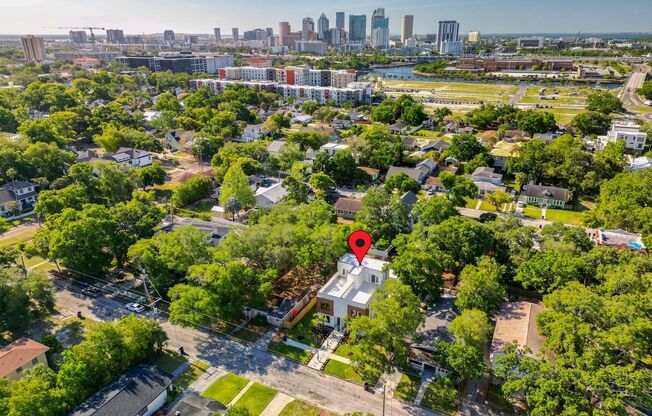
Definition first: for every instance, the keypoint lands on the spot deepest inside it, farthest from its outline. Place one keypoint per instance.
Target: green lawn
(169, 361)
(343, 371)
(440, 396)
(565, 216)
(471, 203)
(226, 388)
(408, 387)
(299, 408)
(256, 399)
(346, 350)
(302, 331)
(459, 91)
(293, 353)
(562, 115)
(16, 238)
(532, 212)
(191, 374)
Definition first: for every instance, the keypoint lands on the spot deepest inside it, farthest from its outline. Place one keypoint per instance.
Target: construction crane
(87, 27)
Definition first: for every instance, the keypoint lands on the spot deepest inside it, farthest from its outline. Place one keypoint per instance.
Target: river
(407, 73)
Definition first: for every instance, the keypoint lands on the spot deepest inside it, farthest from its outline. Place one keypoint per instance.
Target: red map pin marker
(360, 242)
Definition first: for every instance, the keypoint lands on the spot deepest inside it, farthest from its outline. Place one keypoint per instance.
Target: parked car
(135, 307)
(92, 292)
(520, 204)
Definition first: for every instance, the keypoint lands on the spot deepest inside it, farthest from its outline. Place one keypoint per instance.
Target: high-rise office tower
(283, 31)
(34, 48)
(218, 34)
(307, 26)
(339, 20)
(168, 35)
(448, 32)
(322, 25)
(407, 27)
(357, 28)
(115, 36)
(235, 34)
(269, 31)
(78, 36)
(379, 29)
(474, 37)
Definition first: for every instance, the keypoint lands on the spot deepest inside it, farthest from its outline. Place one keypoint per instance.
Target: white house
(487, 174)
(269, 197)
(639, 163)
(630, 133)
(348, 293)
(252, 133)
(332, 148)
(135, 157)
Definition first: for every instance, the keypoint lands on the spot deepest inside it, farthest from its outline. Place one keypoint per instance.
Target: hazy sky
(200, 16)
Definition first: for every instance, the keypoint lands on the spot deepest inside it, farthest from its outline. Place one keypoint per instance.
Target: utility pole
(384, 395)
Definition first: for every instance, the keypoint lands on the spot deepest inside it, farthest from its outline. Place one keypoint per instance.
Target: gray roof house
(192, 404)
(347, 207)
(141, 391)
(546, 196)
(23, 192)
(269, 197)
(416, 174)
(487, 174)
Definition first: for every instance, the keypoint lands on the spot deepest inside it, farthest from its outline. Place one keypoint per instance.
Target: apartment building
(191, 64)
(294, 75)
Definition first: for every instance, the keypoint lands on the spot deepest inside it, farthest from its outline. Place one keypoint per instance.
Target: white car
(135, 307)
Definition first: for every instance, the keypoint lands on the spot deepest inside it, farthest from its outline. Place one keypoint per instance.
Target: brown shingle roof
(348, 204)
(18, 353)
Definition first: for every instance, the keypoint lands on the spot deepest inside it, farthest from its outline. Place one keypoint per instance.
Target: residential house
(20, 356)
(332, 133)
(347, 207)
(301, 119)
(503, 151)
(546, 196)
(409, 143)
(439, 145)
(349, 291)
(620, 239)
(275, 146)
(137, 158)
(488, 137)
(373, 173)
(630, 133)
(516, 322)
(436, 327)
(178, 140)
(410, 199)
(487, 174)
(340, 124)
(251, 133)
(639, 163)
(271, 196)
(355, 116)
(427, 166)
(214, 231)
(485, 188)
(399, 128)
(23, 193)
(434, 184)
(151, 115)
(513, 135)
(290, 295)
(331, 148)
(142, 391)
(418, 175)
(193, 404)
(546, 137)
(88, 156)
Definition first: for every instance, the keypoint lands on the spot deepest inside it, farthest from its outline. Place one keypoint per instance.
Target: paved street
(258, 365)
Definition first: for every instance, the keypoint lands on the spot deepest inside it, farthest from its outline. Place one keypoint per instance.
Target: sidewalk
(326, 350)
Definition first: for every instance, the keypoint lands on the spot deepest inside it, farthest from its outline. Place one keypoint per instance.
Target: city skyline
(201, 16)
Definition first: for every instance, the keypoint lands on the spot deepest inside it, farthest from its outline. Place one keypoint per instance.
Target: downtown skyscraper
(448, 32)
(357, 28)
(379, 29)
(407, 27)
(339, 20)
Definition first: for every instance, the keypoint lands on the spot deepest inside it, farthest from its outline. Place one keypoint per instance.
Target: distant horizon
(505, 17)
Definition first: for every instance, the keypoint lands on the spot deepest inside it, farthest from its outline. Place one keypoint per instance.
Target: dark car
(92, 292)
